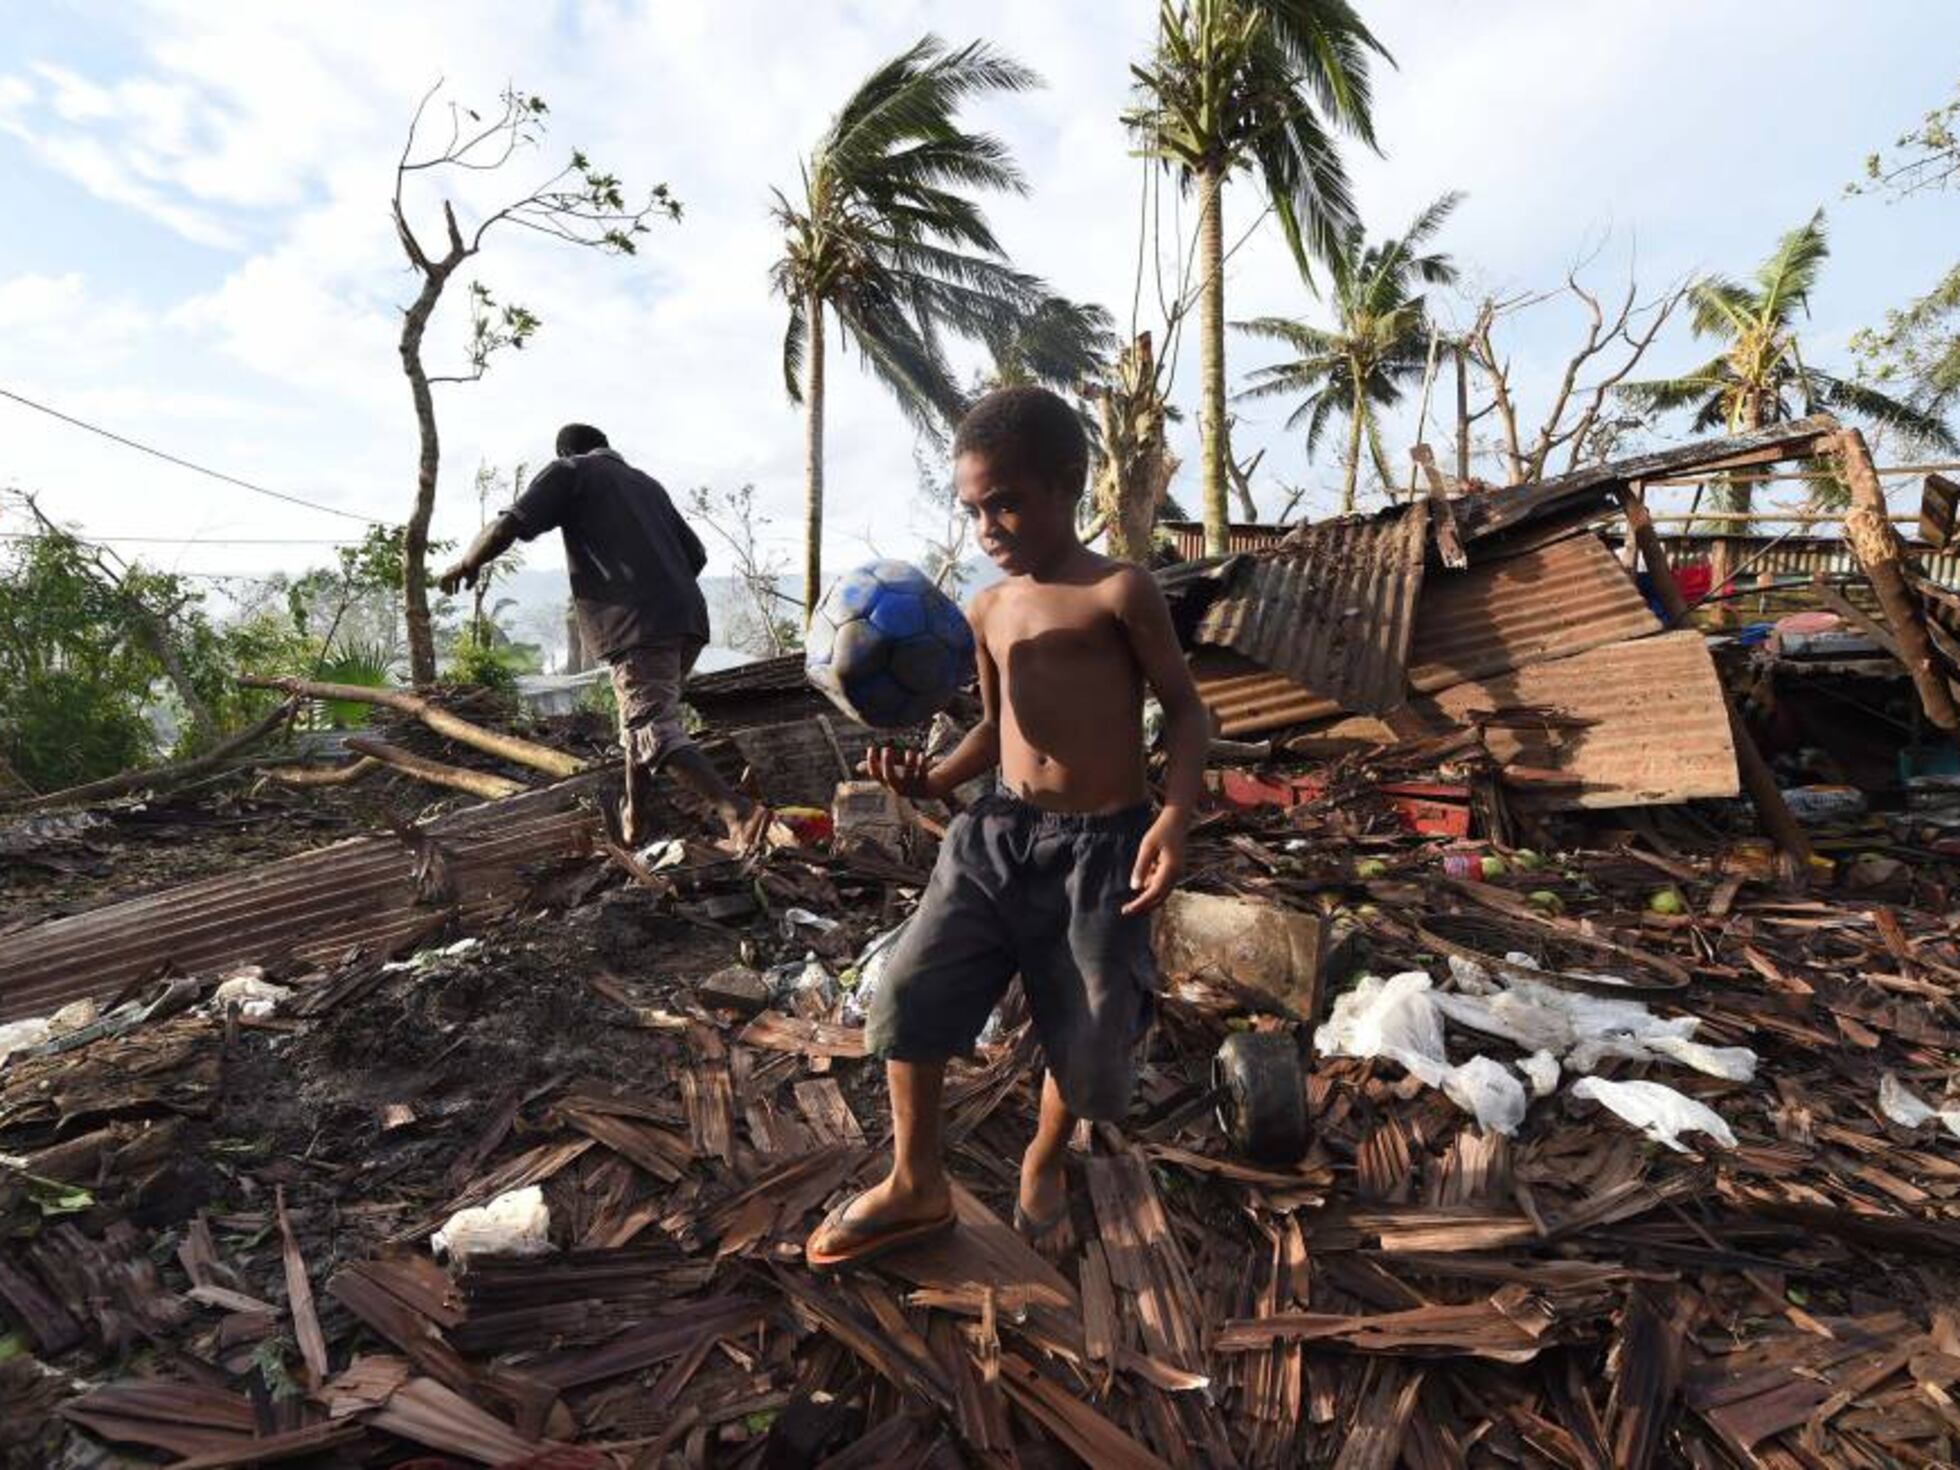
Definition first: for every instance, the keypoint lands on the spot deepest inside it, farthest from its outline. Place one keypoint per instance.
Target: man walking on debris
(1054, 875)
(634, 566)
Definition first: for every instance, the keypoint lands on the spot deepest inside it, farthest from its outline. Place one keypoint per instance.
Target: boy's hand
(459, 575)
(904, 769)
(1160, 863)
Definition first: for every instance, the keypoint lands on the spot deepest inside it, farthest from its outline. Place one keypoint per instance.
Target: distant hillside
(541, 597)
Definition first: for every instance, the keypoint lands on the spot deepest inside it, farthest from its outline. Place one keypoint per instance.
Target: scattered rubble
(1504, 1108)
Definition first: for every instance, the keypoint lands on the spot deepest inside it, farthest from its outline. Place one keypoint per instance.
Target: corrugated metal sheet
(1660, 732)
(1544, 604)
(1333, 608)
(1247, 699)
(1485, 513)
(313, 906)
(1189, 537)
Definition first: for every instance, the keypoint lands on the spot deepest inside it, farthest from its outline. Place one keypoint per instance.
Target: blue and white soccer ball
(887, 647)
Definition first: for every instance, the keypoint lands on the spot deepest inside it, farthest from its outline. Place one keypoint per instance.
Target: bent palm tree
(1760, 377)
(1378, 344)
(1059, 343)
(883, 239)
(1253, 85)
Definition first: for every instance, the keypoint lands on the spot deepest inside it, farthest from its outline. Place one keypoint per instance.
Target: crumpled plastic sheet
(23, 1035)
(1397, 1019)
(1580, 1029)
(1657, 1110)
(1400, 1019)
(1906, 1108)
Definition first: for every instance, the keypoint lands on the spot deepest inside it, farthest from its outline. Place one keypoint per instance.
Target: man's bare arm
(491, 542)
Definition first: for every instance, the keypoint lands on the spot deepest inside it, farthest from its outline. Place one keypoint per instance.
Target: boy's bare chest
(1063, 629)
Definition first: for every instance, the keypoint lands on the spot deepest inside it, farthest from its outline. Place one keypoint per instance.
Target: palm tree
(1253, 85)
(1060, 344)
(1379, 343)
(883, 238)
(1759, 377)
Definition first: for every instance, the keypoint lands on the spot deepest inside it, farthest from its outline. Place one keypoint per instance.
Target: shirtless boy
(1054, 875)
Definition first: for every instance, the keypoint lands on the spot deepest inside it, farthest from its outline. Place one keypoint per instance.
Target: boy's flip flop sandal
(868, 1245)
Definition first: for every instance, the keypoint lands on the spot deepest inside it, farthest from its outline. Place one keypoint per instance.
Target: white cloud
(271, 132)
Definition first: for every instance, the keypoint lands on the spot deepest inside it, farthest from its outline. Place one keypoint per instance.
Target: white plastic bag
(1489, 1092)
(256, 998)
(23, 1035)
(1906, 1108)
(1656, 1110)
(1393, 1018)
(512, 1224)
(868, 973)
(1542, 1070)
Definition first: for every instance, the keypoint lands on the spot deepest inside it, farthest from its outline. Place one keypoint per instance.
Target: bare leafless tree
(767, 625)
(578, 205)
(1618, 330)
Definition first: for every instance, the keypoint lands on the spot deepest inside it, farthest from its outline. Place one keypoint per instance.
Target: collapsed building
(1546, 1074)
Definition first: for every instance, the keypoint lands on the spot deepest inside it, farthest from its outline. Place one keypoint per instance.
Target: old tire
(1262, 1096)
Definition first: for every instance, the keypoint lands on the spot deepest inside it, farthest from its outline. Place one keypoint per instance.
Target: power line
(194, 540)
(184, 463)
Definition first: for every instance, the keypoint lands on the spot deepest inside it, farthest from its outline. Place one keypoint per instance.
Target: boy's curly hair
(1027, 433)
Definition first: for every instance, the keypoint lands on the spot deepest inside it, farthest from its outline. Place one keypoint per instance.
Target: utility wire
(185, 463)
(194, 540)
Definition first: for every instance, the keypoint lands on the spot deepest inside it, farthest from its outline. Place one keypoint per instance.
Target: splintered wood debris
(216, 1245)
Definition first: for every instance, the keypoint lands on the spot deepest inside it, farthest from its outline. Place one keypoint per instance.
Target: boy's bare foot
(883, 1218)
(1042, 1208)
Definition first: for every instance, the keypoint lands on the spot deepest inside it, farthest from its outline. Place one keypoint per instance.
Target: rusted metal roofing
(1247, 699)
(312, 907)
(1659, 732)
(1189, 537)
(1547, 603)
(1485, 513)
(1332, 607)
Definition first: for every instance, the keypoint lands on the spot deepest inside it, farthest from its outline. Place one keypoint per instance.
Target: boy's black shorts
(1021, 890)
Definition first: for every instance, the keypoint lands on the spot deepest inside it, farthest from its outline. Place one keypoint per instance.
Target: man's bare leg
(695, 771)
(1044, 1183)
(917, 1188)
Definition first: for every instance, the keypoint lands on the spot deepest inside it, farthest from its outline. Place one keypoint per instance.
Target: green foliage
(599, 698)
(1378, 345)
(76, 677)
(368, 665)
(886, 236)
(1760, 376)
(1916, 351)
(1926, 157)
(1259, 86)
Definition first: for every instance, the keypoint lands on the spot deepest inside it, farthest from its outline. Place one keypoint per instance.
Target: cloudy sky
(197, 250)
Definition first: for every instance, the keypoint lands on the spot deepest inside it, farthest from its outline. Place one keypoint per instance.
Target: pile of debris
(1501, 1110)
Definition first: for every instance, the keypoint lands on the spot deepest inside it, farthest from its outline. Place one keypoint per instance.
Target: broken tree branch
(477, 783)
(1882, 555)
(507, 747)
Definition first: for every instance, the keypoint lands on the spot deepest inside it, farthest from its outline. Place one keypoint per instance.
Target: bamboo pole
(477, 783)
(1784, 829)
(1881, 554)
(323, 775)
(507, 747)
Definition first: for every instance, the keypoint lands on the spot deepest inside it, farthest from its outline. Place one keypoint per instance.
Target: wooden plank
(299, 1298)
